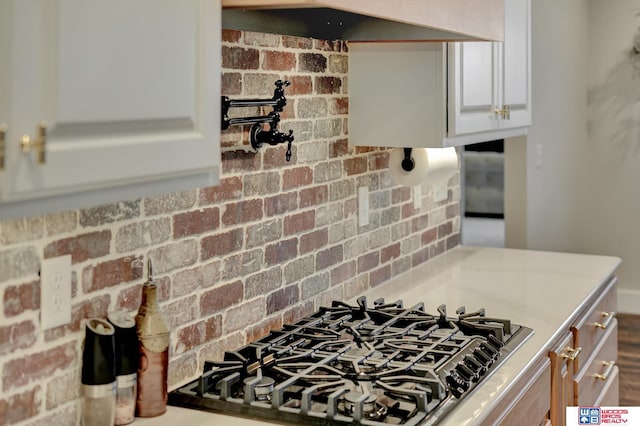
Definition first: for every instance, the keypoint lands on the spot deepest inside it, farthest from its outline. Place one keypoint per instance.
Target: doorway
(482, 199)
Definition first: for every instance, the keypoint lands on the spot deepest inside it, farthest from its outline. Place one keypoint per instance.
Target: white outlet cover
(55, 292)
(417, 197)
(363, 205)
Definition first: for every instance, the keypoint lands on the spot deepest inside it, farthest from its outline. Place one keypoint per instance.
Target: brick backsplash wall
(273, 242)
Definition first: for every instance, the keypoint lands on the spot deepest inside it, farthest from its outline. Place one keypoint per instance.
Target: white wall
(585, 197)
(558, 134)
(612, 222)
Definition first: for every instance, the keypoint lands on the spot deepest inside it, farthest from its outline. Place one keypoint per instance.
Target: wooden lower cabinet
(562, 357)
(580, 368)
(529, 402)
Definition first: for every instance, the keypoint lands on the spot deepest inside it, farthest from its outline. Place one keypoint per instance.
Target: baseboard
(628, 301)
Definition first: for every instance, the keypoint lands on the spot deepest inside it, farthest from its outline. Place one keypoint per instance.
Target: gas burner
(362, 406)
(262, 387)
(379, 365)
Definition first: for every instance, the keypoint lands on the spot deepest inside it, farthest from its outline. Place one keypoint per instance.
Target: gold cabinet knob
(571, 353)
(39, 143)
(608, 367)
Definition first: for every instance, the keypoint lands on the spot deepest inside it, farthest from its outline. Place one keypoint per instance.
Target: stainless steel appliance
(378, 365)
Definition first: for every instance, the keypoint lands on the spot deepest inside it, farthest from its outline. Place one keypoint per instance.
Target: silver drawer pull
(608, 317)
(608, 366)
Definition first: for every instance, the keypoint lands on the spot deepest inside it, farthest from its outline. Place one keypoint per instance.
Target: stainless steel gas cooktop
(377, 365)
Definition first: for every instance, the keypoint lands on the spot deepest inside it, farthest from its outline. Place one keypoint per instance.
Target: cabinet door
(515, 70)
(129, 91)
(473, 91)
(562, 390)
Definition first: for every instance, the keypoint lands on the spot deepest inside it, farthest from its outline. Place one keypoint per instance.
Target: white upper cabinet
(129, 93)
(442, 94)
(490, 83)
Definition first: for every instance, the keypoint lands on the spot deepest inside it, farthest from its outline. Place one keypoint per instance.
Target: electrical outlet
(440, 191)
(55, 292)
(363, 205)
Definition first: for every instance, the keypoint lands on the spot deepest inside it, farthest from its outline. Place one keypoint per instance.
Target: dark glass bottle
(153, 344)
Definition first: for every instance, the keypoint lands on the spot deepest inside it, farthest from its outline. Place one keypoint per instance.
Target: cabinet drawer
(610, 396)
(590, 383)
(594, 324)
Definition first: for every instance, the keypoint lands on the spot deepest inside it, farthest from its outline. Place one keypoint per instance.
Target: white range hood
(370, 20)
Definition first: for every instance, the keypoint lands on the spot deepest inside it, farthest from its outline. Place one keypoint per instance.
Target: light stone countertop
(540, 290)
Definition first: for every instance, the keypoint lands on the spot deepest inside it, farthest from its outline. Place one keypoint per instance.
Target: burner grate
(345, 364)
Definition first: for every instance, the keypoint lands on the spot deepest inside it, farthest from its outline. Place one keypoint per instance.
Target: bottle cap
(98, 356)
(126, 342)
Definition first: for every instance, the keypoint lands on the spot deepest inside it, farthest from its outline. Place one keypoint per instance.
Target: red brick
(420, 256)
(390, 252)
(407, 210)
(24, 297)
(365, 149)
(300, 85)
(239, 58)
(220, 298)
(231, 83)
(420, 222)
(314, 240)
(129, 298)
(453, 241)
(240, 161)
(379, 276)
(326, 85)
(278, 60)
(229, 189)
(221, 244)
(339, 106)
(282, 299)
(331, 45)
(329, 257)
(279, 204)
(445, 230)
(242, 212)
(297, 312)
(18, 372)
(299, 222)
(232, 36)
(276, 156)
(339, 148)
(213, 328)
(401, 194)
(343, 272)
(112, 273)
(368, 262)
(312, 62)
(296, 177)
(297, 42)
(195, 222)
(429, 236)
(453, 210)
(20, 407)
(314, 196)
(355, 166)
(281, 251)
(379, 161)
(81, 247)
(190, 337)
(17, 336)
(263, 328)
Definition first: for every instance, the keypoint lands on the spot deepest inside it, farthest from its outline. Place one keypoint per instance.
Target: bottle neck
(150, 296)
